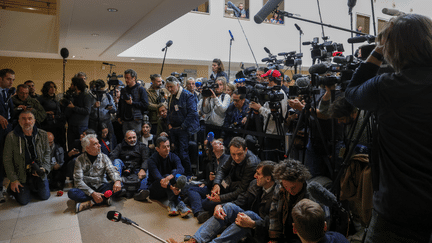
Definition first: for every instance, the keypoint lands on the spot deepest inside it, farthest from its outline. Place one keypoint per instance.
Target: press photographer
(156, 95)
(274, 108)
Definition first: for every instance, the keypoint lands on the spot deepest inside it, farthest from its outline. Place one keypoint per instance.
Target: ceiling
(86, 28)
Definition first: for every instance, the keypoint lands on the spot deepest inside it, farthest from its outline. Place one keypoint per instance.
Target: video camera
(292, 58)
(113, 79)
(179, 76)
(207, 87)
(302, 87)
(324, 50)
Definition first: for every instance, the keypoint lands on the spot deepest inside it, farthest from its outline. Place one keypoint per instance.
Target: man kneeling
(89, 176)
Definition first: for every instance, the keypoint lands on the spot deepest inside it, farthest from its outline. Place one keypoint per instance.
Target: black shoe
(142, 195)
(203, 216)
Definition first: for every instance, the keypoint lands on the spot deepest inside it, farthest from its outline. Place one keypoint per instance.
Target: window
(273, 17)
(363, 23)
(203, 8)
(241, 5)
(381, 24)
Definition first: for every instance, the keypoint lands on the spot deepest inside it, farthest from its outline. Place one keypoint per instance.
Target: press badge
(176, 108)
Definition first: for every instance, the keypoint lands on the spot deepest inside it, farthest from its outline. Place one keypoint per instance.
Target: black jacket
(132, 156)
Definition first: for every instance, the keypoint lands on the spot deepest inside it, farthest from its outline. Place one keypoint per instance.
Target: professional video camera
(291, 58)
(96, 88)
(179, 76)
(263, 93)
(324, 50)
(113, 79)
(302, 87)
(207, 87)
(246, 75)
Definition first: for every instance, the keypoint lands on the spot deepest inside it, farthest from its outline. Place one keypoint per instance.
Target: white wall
(202, 37)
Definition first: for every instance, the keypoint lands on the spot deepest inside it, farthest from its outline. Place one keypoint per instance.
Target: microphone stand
(256, 63)
(64, 70)
(229, 61)
(163, 62)
(147, 232)
(300, 45)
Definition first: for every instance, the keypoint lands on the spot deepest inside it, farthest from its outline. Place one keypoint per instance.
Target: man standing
(22, 102)
(164, 170)
(234, 176)
(190, 86)
(182, 120)
(27, 160)
(78, 111)
(133, 103)
(7, 76)
(130, 157)
(89, 176)
(31, 86)
(156, 95)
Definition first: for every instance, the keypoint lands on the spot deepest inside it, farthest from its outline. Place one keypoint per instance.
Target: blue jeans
(381, 230)
(232, 233)
(180, 138)
(79, 196)
(33, 184)
(118, 163)
(196, 196)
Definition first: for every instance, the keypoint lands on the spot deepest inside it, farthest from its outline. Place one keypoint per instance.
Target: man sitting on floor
(89, 176)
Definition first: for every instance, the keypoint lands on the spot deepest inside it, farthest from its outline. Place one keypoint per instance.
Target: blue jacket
(234, 116)
(139, 103)
(182, 111)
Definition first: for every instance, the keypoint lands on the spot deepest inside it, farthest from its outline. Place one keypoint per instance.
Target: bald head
(50, 138)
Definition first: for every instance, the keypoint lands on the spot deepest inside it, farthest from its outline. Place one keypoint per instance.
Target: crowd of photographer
(226, 130)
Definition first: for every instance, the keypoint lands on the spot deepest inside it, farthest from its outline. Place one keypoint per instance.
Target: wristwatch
(377, 55)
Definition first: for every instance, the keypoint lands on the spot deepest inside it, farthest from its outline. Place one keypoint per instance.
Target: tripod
(275, 115)
(304, 118)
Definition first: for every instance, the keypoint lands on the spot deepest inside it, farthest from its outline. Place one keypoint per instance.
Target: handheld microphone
(232, 37)
(361, 39)
(234, 7)
(179, 181)
(392, 12)
(116, 216)
(298, 28)
(266, 10)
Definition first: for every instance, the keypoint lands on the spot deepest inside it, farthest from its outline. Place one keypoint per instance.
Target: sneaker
(184, 210)
(172, 210)
(108, 201)
(83, 206)
(203, 216)
(142, 195)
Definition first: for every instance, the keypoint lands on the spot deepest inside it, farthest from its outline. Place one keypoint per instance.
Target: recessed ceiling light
(94, 34)
(73, 56)
(30, 8)
(132, 59)
(112, 10)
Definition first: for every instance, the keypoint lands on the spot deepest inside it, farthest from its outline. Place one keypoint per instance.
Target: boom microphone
(319, 68)
(64, 52)
(116, 216)
(321, 194)
(266, 10)
(298, 28)
(392, 12)
(361, 39)
(234, 7)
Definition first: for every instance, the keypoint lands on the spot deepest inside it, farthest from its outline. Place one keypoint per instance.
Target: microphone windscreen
(181, 181)
(296, 76)
(114, 216)
(302, 82)
(298, 27)
(266, 10)
(321, 194)
(266, 50)
(108, 194)
(319, 68)
(342, 60)
(391, 12)
(169, 43)
(64, 52)
(357, 39)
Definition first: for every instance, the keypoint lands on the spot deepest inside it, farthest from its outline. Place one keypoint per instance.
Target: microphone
(105, 63)
(179, 181)
(267, 59)
(392, 12)
(302, 82)
(267, 50)
(352, 3)
(234, 7)
(266, 10)
(108, 194)
(319, 68)
(116, 216)
(10, 92)
(298, 28)
(296, 76)
(341, 60)
(361, 39)
(168, 44)
(286, 53)
(64, 52)
(321, 194)
(307, 43)
(232, 37)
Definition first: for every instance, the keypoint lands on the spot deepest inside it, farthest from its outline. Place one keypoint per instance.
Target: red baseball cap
(275, 74)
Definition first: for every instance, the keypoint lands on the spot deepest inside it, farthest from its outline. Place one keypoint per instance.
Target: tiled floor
(55, 220)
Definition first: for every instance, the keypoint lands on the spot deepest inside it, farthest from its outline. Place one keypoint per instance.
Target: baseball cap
(276, 74)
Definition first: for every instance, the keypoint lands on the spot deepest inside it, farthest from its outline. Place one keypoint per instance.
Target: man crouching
(89, 172)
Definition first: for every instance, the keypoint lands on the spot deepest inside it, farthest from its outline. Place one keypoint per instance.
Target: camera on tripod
(324, 50)
(292, 58)
(113, 79)
(302, 87)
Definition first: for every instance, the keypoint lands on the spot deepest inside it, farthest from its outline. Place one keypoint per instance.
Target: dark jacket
(6, 109)
(251, 200)
(132, 156)
(160, 167)
(16, 151)
(212, 166)
(237, 176)
(79, 115)
(139, 103)
(234, 117)
(182, 111)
